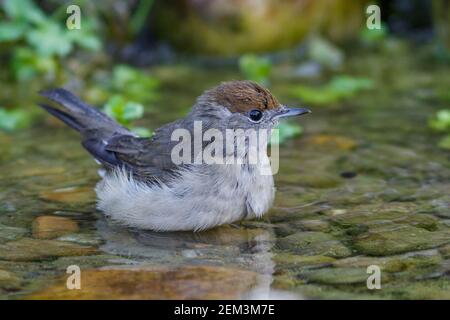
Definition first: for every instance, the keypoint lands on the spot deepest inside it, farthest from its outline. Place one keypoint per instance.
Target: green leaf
(26, 64)
(255, 68)
(10, 31)
(441, 121)
(133, 111)
(316, 96)
(84, 39)
(286, 131)
(339, 88)
(122, 110)
(325, 53)
(50, 39)
(142, 132)
(11, 120)
(134, 84)
(87, 37)
(444, 143)
(23, 10)
(350, 85)
(375, 35)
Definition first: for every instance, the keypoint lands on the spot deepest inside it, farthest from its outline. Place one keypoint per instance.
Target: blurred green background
(363, 180)
(113, 59)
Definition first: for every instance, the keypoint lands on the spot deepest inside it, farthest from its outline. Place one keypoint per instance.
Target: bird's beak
(290, 112)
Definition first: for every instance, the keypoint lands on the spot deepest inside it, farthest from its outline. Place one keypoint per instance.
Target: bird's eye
(255, 115)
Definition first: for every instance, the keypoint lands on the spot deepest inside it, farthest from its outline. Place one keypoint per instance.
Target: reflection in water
(227, 246)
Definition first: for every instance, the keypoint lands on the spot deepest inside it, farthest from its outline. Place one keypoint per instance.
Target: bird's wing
(147, 158)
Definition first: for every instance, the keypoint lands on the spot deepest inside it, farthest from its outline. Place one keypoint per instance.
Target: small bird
(144, 187)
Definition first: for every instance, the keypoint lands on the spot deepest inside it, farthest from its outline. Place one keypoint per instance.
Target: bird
(145, 187)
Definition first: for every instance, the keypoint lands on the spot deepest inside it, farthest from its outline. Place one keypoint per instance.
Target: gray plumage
(144, 188)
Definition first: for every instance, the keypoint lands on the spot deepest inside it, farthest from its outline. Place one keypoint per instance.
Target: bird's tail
(95, 127)
(79, 115)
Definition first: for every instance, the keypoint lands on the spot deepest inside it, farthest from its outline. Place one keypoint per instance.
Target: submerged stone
(189, 282)
(445, 251)
(28, 249)
(50, 227)
(314, 243)
(81, 238)
(337, 276)
(396, 239)
(338, 142)
(69, 195)
(436, 289)
(8, 280)
(8, 233)
(315, 225)
(288, 260)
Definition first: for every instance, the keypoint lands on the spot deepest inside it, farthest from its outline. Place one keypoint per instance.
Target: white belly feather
(199, 199)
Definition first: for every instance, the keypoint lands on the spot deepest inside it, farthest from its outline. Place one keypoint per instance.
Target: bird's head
(242, 105)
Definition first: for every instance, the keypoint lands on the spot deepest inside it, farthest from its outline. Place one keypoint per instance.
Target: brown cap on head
(243, 96)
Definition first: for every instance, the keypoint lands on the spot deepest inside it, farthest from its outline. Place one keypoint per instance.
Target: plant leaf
(444, 143)
(10, 31)
(11, 120)
(286, 131)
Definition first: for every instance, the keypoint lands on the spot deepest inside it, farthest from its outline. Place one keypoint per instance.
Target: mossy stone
(398, 239)
(314, 243)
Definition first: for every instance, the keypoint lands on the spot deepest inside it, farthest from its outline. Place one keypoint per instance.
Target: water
(364, 185)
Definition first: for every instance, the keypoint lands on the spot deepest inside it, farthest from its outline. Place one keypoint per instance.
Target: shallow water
(364, 185)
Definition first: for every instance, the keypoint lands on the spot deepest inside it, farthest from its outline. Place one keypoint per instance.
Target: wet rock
(436, 289)
(411, 262)
(336, 276)
(441, 207)
(69, 195)
(314, 243)
(338, 142)
(50, 227)
(317, 180)
(8, 280)
(445, 251)
(82, 238)
(395, 239)
(286, 282)
(336, 212)
(28, 249)
(377, 216)
(190, 282)
(314, 225)
(321, 291)
(89, 262)
(287, 260)
(8, 233)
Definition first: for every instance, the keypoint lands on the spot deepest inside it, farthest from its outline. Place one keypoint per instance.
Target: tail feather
(96, 128)
(64, 117)
(72, 102)
(79, 115)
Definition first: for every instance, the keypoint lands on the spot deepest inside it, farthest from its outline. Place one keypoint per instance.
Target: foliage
(36, 37)
(339, 88)
(325, 53)
(11, 120)
(256, 68)
(441, 123)
(132, 88)
(134, 84)
(374, 36)
(124, 112)
(286, 131)
(444, 143)
(140, 15)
